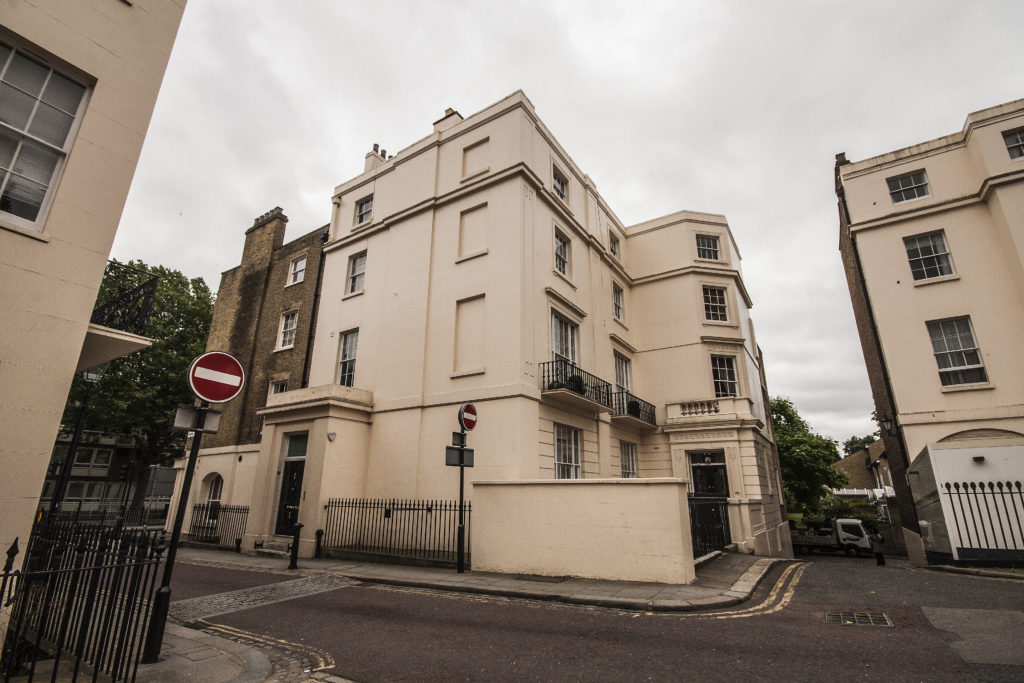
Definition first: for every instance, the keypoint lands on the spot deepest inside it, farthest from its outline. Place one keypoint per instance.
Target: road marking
(322, 658)
(792, 575)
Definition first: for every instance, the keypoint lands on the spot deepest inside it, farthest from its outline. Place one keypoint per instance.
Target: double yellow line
(785, 586)
(322, 660)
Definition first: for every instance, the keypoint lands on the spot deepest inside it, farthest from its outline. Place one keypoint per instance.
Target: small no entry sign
(216, 377)
(467, 416)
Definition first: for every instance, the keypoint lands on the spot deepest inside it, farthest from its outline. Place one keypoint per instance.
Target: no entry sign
(216, 377)
(467, 416)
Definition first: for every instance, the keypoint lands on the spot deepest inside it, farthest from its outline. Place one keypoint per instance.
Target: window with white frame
(567, 452)
(707, 247)
(613, 244)
(906, 187)
(347, 358)
(559, 183)
(297, 270)
(278, 386)
(956, 352)
(928, 255)
(622, 372)
(364, 209)
(39, 110)
(289, 324)
(562, 253)
(627, 458)
(715, 306)
(1014, 140)
(563, 338)
(723, 373)
(617, 301)
(356, 272)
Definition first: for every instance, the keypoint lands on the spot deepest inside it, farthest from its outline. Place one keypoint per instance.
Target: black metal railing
(709, 524)
(81, 603)
(221, 525)
(626, 403)
(125, 298)
(110, 514)
(987, 518)
(398, 529)
(561, 374)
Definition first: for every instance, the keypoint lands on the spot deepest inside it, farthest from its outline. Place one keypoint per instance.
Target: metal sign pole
(461, 560)
(162, 599)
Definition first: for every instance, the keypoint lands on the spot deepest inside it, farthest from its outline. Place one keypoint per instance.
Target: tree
(856, 443)
(806, 458)
(139, 393)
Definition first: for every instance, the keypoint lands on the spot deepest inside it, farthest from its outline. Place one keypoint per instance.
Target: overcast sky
(732, 107)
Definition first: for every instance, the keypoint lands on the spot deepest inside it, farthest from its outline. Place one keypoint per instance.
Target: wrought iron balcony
(561, 380)
(629, 406)
(125, 299)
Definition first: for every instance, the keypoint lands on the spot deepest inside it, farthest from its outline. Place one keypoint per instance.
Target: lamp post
(91, 376)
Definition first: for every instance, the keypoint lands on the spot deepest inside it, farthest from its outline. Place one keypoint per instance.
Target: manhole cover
(858, 618)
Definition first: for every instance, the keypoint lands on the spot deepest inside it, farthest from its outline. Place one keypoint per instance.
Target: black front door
(291, 496)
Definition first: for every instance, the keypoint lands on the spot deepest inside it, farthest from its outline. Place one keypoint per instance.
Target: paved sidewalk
(193, 655)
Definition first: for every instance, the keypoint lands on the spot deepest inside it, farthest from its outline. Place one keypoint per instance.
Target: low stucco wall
(621, 529)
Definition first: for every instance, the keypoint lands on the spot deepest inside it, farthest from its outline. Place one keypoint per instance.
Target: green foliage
(806, 459)
(140, 392)
(856, 443)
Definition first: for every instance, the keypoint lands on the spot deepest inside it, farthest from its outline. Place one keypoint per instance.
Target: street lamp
(886, 423)
(91, 376)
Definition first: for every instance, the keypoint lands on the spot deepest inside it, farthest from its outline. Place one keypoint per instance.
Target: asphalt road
(945, 627)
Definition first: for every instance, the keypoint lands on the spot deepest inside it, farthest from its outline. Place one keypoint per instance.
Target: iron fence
(399, 529)
(709, 524)
(561, 374)
(81, 603)
(987, 518)
(628, 404)
(221, 525)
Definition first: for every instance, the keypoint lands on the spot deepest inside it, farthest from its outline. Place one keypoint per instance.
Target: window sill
(936, 280)
(468, 373)
(907, 201)
(364, 224)
(721, 323)
(297, 282)
(475, 174)
(968, 387)
(621, 324)
(716, 261)
(560, 276)
(470, 257)
(352, 295)
(284, 348)
(24, 232)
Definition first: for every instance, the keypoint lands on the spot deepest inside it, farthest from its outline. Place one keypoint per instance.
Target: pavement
(192, 654)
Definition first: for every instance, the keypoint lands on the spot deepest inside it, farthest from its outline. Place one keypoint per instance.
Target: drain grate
(858, 618)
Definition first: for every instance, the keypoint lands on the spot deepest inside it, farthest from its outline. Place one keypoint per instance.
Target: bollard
(294, 564)
(319, 543)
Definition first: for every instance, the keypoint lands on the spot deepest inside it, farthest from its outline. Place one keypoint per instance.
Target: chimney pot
(376, 146)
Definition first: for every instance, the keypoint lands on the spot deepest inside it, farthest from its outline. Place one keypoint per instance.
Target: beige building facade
(933, 239)
(78, 83)
(480, 264)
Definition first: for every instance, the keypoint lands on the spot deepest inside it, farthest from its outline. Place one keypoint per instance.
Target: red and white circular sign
(467, 416)
(216, 377)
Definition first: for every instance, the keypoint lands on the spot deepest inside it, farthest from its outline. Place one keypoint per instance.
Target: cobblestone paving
(188, 611)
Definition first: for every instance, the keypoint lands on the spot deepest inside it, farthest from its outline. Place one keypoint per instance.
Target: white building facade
(934, 244)
(614, 367)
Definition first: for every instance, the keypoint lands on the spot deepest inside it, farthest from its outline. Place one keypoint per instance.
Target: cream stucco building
(614, 367)
(78, 83)
(932, 237)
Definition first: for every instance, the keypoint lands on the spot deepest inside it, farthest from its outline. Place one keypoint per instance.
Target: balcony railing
(125, 299)
(561, 374)
(626, 403)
